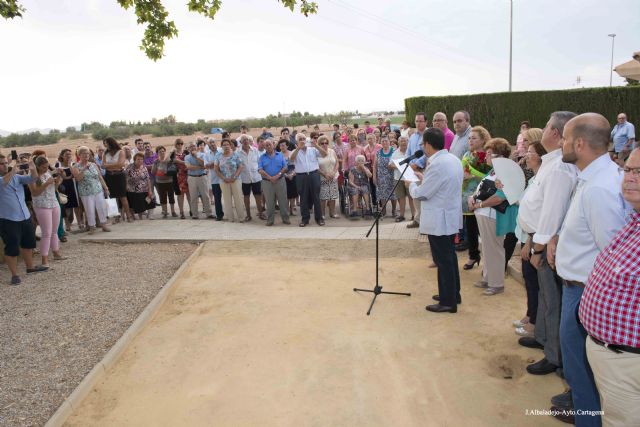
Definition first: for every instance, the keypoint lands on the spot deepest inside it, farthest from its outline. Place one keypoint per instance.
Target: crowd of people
(576, 225)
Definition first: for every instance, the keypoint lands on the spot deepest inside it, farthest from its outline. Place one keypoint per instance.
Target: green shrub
(501, 113)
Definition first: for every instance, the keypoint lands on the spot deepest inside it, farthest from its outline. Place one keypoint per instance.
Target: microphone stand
(377, 290)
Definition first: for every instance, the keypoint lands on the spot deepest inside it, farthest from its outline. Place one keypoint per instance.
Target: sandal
(63, 239)
(400, 219)
(247, 218)
(182, 216)
(262, 216)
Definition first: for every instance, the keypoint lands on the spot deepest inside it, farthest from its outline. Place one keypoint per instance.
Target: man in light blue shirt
(623, 135)
(462, 127)
(16, 228)
(210, 160)
(272, 166)
(596, 214)
(415, 144)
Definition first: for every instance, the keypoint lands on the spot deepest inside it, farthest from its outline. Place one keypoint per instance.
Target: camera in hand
(24, 166)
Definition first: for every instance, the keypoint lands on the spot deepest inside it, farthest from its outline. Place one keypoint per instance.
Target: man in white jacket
(441, 216)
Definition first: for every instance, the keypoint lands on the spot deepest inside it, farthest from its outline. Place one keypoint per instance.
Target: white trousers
(92, 204)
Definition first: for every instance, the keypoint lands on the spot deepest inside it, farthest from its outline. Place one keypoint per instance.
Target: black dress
(68, 188)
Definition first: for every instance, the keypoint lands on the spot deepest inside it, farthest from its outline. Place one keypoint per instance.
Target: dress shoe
(320, 222)
(303, 224)
(566, 415)
(436, 297)
(462, 246)
(541, 367)
(471, 263)
(413, 224)
(563, 400)
(437, 308)
(530, 342)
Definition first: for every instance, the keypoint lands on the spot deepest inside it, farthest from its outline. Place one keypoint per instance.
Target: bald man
(596, 213)
(440, 122)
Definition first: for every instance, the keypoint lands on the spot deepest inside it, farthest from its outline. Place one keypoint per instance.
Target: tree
(153, 14)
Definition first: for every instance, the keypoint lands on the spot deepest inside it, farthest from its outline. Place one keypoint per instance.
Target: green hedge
(501, 113)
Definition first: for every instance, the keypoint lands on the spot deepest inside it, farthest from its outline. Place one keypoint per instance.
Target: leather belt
(616, 348)
(574, 283)
(197, 176)
(307, 173)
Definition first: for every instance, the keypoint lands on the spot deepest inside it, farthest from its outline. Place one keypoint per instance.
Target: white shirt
(596, 214)
(307, 160)
(544, 205)
(439, 195)
(250, 172)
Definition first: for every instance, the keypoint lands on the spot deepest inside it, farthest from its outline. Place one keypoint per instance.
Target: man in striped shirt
(610, 313)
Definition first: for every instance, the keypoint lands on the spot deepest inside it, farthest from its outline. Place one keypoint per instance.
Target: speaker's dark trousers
(444, 255)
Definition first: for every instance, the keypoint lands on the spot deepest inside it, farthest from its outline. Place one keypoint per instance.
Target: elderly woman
(91, 188)
(328, 165)
(164, 182)
(229, 167)
(47, 208)
(292, 190)
(525, 326)
(475, 169)
(359, 176)
(493, 224)
(114, 163)
(139, 188)
(383, 176)
(68, 188)
(402, 193)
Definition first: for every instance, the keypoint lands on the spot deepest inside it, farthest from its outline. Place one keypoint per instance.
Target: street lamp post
(510, 45)
(613, 39)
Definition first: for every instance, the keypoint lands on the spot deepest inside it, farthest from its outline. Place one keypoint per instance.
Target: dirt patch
(271, 333)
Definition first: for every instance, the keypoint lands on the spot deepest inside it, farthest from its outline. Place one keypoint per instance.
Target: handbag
(172, 169)
(62, 198)
(486, 189)
(112, 207)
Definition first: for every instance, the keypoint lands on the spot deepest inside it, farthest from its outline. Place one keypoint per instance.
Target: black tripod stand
(377, 290)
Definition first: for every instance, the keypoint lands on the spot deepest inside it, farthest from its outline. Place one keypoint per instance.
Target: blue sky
(73, 61)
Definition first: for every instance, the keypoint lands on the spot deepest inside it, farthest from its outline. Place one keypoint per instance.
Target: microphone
(415, 155)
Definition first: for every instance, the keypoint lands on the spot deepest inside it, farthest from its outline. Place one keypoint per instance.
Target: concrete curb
(113, 355)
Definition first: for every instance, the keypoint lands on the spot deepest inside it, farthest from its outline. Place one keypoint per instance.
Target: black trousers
(530, 275)
(472, 236)
(217, 199)
(444, 255)
(309, 191)
(510, 242)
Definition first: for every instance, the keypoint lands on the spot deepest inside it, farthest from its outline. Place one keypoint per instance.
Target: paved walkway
(207, 229)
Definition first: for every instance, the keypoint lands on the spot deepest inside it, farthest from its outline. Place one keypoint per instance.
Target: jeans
(217, 199)
(577, 371)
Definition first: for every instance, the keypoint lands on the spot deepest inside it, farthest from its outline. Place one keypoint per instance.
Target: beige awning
(629, 70)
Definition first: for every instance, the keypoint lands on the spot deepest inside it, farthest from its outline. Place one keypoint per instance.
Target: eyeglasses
(634, 171)
(439, 120)
(324, 143)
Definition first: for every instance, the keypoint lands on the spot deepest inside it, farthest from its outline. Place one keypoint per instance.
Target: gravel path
(57, 325)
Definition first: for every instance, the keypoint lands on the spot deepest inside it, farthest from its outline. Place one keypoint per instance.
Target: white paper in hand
(408, 176)
(511, 176)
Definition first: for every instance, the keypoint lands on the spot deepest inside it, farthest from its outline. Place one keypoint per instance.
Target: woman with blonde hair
(91, 189)
(475, 169)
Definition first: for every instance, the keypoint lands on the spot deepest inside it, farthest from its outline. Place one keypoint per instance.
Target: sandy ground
(271, 333)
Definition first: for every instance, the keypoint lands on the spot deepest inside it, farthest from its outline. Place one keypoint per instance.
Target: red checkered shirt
(610, 304)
